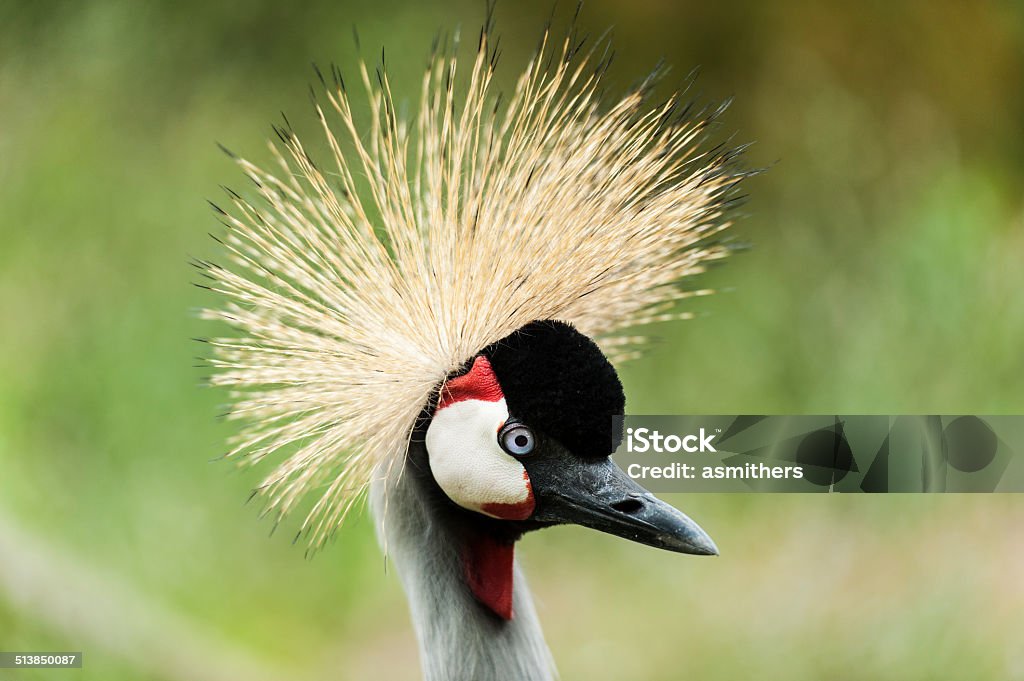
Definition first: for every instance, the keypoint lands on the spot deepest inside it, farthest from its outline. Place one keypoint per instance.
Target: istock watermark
(644, 439)
(823, 453)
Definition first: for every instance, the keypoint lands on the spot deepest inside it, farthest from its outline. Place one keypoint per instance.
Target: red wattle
(487, 564)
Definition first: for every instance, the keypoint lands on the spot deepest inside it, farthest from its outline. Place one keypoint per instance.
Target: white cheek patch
(471, 467)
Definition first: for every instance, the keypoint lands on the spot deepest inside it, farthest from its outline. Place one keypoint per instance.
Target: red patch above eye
(479, 383)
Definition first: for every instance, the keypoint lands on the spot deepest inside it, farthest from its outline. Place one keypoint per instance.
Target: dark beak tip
(692, 543)
(707, 550)
(678, 531)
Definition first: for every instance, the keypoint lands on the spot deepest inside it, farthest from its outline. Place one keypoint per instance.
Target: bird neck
(460, 582)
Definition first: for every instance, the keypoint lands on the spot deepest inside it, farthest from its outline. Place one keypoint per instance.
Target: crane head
(524, 438)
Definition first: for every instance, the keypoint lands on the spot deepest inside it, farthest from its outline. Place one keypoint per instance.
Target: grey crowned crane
(434, 318)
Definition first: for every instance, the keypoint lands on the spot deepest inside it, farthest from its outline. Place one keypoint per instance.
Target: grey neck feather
(459, 640)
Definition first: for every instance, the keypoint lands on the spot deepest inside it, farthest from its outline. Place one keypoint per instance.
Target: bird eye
(516, 438)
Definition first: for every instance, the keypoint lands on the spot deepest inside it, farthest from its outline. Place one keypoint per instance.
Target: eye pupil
(516, 439)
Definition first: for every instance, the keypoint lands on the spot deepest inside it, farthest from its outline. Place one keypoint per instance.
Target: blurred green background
(885, 278)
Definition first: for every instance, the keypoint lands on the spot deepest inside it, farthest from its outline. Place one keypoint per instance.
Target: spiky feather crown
(354, 304)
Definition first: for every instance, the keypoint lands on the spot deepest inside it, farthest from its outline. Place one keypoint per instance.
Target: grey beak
(599, 495)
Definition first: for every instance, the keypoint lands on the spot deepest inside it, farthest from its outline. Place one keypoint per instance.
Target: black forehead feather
(557, 381)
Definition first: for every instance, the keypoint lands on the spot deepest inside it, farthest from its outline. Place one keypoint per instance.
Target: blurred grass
(885, 277)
